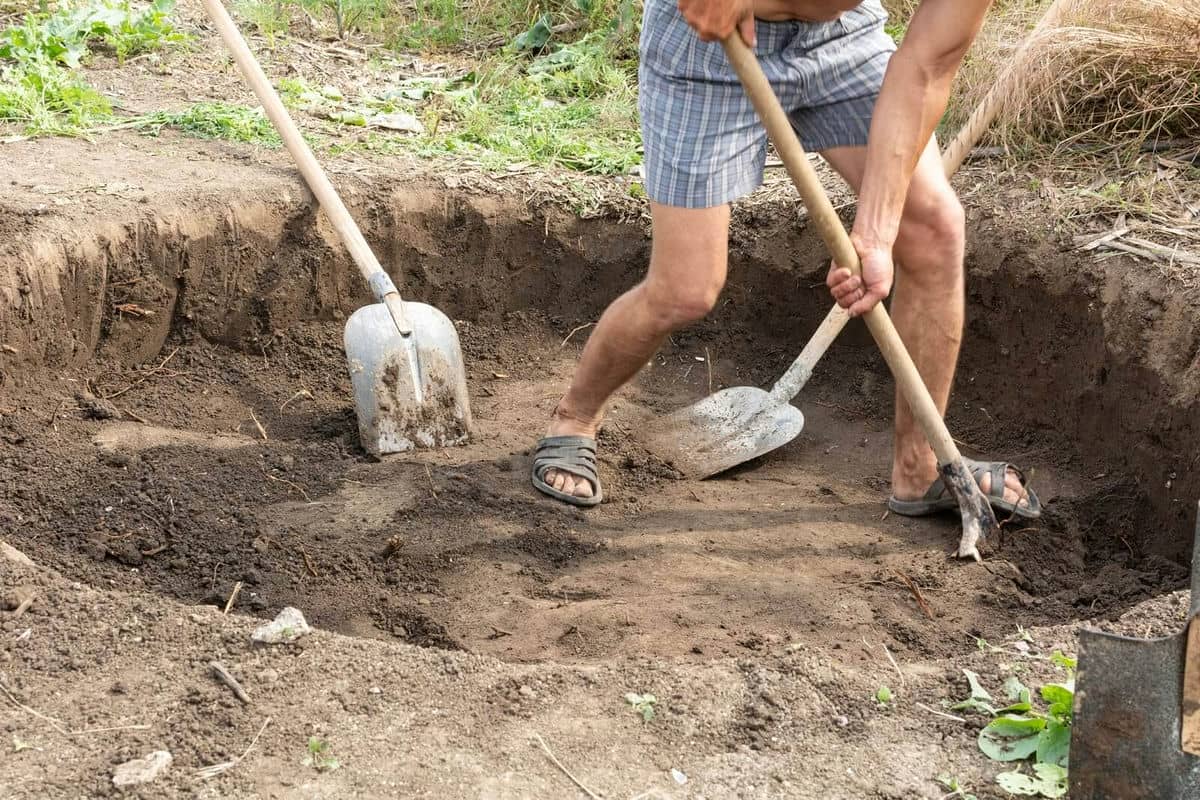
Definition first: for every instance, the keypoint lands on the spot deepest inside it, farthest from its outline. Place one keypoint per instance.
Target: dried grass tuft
(1105, 74)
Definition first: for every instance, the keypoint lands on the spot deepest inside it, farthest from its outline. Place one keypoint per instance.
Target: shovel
(406, 364)
(738, 424)
(978, 521)
(1136, 732)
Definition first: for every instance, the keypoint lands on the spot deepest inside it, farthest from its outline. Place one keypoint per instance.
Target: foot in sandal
(1002, 484)
(564, 462)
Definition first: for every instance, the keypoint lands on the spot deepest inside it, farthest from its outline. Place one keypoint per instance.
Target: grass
(216, 120)
(41, 87)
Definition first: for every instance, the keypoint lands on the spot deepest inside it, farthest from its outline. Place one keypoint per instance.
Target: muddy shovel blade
(1125, 737)
(1130, 708)
(409, 391)
(723, 430)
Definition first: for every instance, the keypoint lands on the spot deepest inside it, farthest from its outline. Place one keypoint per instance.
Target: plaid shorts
(704, 145)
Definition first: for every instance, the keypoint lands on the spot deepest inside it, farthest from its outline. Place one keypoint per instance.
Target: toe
(556, 479)
(1014, 491)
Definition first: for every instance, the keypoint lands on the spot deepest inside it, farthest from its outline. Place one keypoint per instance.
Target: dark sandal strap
(575, 455)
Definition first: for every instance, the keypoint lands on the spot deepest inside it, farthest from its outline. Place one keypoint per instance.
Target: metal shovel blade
(409, 391)
(1125, 737)
(723, 430)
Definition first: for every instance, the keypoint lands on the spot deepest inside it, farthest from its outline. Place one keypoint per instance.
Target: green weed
(39, 85)
(643, 704)
(1020, 732)
(320, 756)
(217, 120)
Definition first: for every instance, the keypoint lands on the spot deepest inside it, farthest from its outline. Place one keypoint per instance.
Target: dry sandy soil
(175, 421)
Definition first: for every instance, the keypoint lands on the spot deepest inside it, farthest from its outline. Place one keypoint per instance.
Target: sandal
(575, 455)
(938, 498)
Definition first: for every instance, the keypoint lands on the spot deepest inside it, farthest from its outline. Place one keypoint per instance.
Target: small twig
(143, 379)
(261, 430)
(302, 394)
(226, 678)
(53, 417)
(132, 415)
(937, 713)
(233, 596)
(895, 666)
(23, 607)
(153, 551)
(573, 332)
(916, 590)
(498, 633)
(216, 769)
(565, 771)
(708, 363)
(295, 486)
(429, 475)
(308, 563)
(59, 726)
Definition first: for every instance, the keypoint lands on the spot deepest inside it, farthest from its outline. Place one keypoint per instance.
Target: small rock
(423, 601)
(268, 675)
(288, 626)
(679, 776)
(527, 692)
(96, 550)
(260, 545)
(127, 553)
(287, 462)
(841, 720)
(141, 770)
(95, 407)
(375, 690)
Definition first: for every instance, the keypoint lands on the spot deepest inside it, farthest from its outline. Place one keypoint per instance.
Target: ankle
(565, 420)
(914, 467)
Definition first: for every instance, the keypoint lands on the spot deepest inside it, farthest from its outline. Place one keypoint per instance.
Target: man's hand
(859, 294)
(714, 20)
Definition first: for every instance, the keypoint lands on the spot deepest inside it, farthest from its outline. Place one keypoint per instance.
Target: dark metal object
(1128, 704)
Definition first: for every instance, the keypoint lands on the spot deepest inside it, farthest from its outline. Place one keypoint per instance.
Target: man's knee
(932, 233)
(675, 305)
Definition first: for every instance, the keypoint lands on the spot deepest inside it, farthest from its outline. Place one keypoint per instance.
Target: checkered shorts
(704, 145)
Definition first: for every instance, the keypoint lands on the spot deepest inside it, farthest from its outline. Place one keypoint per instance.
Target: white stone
(288, 626)
(142, 770)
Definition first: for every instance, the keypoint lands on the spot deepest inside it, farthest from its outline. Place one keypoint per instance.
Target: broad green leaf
(977, 690)
(971, 704)
(1066, 662)
(883, 694)
(1060, 698)
(1018, 784)
(536, 37)
(1054, 744)
(1003, 748)
(1008, 725)
(1016, 691)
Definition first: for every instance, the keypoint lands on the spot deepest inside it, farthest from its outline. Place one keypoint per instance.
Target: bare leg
(928, 307)
(687, 271)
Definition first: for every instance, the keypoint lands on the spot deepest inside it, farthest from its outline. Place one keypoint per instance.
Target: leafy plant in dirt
(320, 755)
(643, 704)
(1020, 732)
(884, 696)
(39, 84)
(956, 789)
(216, 120)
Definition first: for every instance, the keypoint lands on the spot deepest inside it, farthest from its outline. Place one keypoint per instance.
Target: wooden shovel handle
(339, 216)
(829, 225)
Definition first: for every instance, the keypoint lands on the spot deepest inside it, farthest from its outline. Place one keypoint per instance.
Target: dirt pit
(178, 434)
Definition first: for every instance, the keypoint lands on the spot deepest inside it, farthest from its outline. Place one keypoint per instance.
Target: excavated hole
(247, 467)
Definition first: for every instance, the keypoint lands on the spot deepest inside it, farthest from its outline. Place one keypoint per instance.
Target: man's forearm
(911, 102)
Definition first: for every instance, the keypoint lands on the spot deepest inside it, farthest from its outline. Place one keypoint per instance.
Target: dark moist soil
(177, 422)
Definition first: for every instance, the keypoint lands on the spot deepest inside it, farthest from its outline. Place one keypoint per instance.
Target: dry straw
(1106, 73)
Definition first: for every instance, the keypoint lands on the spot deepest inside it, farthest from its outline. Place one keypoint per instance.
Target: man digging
(870, 110)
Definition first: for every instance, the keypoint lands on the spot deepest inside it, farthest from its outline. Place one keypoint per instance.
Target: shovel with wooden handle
(740, 423)
(978, 521)
(1136, 728)
(406, 364)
